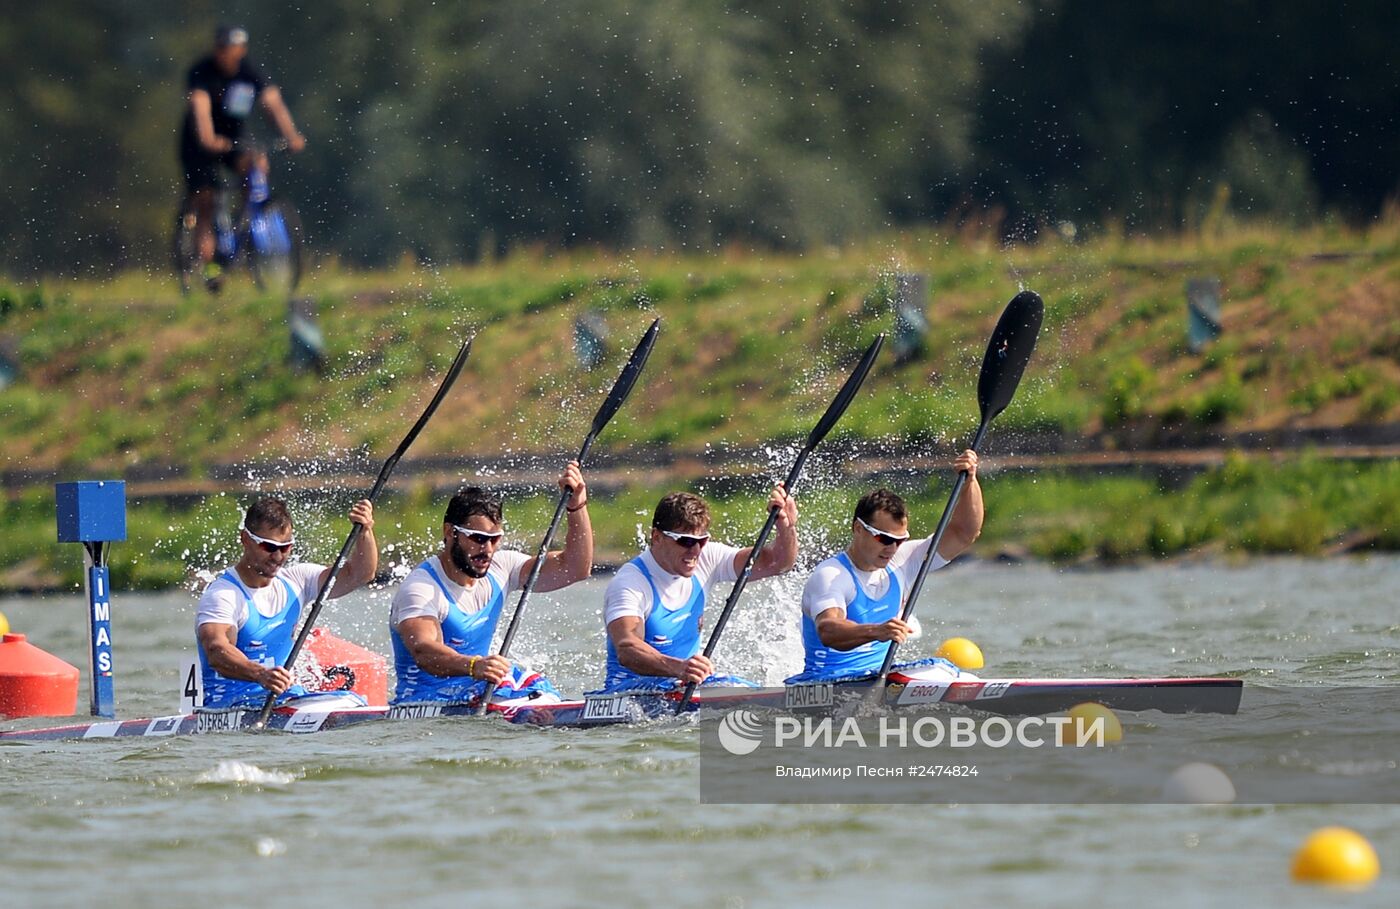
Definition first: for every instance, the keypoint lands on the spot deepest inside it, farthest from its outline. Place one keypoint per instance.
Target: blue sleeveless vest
(467, 633)
(263, 639)
(822, 660)
(675, 634)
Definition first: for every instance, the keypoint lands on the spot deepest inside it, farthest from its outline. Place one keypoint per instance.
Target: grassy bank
(126, 375)
(1248, 507)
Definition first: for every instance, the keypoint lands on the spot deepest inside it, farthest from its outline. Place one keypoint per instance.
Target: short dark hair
(471, 500)
(267, 514)
(681, 511)
(881, 500)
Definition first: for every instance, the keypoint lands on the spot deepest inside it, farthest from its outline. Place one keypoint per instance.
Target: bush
(1129, 390)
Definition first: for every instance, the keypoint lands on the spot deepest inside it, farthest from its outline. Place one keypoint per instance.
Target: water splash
(243, 774)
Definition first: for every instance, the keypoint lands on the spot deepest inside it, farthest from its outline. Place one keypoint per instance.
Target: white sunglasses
(885, 539)
(687, 539)
(480, 537)
(271, 545)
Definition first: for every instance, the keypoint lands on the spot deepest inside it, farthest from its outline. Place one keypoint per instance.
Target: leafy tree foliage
(455, 130)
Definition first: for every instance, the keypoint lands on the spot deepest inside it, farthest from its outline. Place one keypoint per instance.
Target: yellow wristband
(471, 666)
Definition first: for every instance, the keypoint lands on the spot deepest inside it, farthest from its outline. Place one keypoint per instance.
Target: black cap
(226, 35)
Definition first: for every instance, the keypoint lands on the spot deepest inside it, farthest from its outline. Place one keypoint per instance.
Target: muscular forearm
(844, 634)
(361, 567)
(778, 556)
(232, 663)
(643, 659)
(966, 523)
(577, 558)
(443, 661)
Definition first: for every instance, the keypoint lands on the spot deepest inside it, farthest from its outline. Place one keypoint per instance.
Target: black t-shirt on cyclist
(231, 98)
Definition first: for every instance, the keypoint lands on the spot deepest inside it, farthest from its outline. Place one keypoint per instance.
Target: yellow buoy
(961, 652)
(4, 624)
(1081, 726)
(1336, 855)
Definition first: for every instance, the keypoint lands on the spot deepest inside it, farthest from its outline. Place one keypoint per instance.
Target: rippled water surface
(457, 812)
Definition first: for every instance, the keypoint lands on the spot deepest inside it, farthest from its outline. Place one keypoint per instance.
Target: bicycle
(266, 231)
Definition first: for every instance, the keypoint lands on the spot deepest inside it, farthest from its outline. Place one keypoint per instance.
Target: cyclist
(223, 88)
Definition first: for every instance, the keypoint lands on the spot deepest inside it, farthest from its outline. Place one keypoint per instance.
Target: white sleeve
(628, 594)
(222, 604)
(717, 563)
(417, 597)
(305, 578)
(910, 556)
(829, 587)
(512, 566)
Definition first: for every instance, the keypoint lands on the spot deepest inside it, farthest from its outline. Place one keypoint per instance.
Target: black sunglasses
(884, 539)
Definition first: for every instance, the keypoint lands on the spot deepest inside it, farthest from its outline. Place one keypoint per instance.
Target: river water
(454, 812)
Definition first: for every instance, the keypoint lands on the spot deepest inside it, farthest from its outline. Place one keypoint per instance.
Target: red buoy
(34, 682)
(366, 672)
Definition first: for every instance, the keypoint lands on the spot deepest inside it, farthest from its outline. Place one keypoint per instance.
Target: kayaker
(446, 611)
(651, 647)
(851, 604)
(247, 617)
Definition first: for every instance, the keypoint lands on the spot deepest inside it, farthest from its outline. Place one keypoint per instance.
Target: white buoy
(1199, 783)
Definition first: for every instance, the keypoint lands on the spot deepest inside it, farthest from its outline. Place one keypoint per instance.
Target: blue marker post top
(91, 511)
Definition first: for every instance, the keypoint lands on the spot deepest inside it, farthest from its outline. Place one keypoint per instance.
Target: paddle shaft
(1008, 352)
(744, 573)
(540, 555)
(743, 579)
(819, 432)
(453, 371)
(918, 584)
(620, 390)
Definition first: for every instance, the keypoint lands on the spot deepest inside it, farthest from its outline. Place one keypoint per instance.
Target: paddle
(620, 390)
(356, 530)
(1007, 354)
(828, 420)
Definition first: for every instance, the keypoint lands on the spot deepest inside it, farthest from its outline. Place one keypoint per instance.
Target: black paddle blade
(1008, 352)
(630, 372)
(847, 393)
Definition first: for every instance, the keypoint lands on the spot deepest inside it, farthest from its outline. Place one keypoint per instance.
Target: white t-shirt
(831, 587)
(225, 603)
(419, 595)
(629, 593)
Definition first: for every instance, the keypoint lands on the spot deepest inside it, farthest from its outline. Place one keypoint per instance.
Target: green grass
(126, 372)
(1250, 506)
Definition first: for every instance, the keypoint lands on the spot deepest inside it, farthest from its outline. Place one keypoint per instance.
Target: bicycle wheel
(274, 247)
(184, 251)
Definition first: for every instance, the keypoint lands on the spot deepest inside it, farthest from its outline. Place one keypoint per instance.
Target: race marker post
(93, 512)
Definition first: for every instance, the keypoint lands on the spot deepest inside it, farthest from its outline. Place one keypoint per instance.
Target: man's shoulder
(418, 574)
(829, 573)
(910, 558)
(833, 566)
(202, 72)
(626, 572)
(302, 575)
(627, 578)
(415, 580)
(221, 586)
(717, 562)
(508, 559)
(248, 72)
